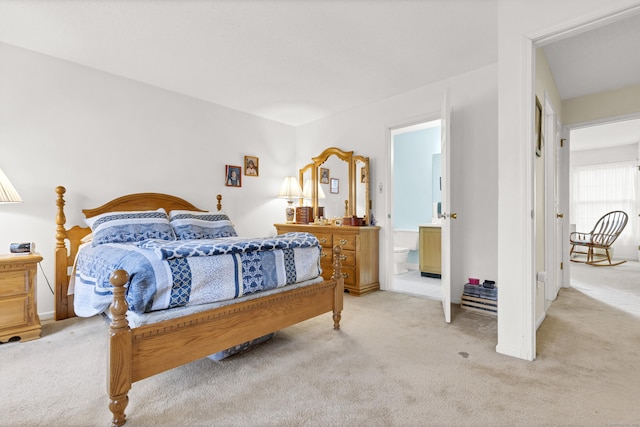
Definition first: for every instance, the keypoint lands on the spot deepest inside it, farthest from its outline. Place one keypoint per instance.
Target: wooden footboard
(135, 354)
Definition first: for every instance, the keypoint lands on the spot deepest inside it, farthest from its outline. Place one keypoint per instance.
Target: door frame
(391, 129)
(524, 345)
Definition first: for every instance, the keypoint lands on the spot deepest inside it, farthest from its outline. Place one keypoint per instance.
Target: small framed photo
(335, 186)
(233, 176)
(250, 166)
(324, 176)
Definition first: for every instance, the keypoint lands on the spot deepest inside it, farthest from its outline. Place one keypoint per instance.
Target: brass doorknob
(454, 215)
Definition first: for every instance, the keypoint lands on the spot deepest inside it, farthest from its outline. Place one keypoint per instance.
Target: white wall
(474, 168)
(102, 136)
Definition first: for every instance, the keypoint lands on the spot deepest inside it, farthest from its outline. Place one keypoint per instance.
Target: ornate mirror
(336, 184)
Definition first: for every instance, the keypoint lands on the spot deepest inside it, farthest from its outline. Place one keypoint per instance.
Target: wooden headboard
(69, 239)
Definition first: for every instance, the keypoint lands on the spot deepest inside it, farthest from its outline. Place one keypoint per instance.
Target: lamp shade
(307, 190)
(8, 193)
(290, 189)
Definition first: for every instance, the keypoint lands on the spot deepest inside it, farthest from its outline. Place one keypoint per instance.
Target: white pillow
(133, 226)
(189, 225)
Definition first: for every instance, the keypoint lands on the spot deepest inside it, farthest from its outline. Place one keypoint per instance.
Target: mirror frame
(367, 187)
(350, 159)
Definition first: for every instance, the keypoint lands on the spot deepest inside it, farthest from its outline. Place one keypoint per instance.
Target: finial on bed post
(119, 375)
(219, 199)
(337, 275)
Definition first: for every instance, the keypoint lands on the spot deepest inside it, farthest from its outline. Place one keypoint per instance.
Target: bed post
(119, 363)
(61, 275)
(337, 275)
(219, 204)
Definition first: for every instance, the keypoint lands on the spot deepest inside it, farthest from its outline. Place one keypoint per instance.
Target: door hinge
(561, 266)
(562, 140)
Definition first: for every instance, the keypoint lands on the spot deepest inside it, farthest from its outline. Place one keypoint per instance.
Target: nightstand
(18, 308)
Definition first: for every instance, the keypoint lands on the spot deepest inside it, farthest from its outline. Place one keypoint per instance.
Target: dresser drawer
(348, 258)
(13, 283)
(346, 242)
(349, 275)
(13, 312)
(326, 255)
(326, 240)
(327, 270)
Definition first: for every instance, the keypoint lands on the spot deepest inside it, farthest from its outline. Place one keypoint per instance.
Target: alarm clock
(22, 248)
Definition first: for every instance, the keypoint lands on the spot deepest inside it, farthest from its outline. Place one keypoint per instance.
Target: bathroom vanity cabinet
(430, 250)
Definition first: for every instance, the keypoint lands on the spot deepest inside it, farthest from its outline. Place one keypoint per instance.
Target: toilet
(403, 242)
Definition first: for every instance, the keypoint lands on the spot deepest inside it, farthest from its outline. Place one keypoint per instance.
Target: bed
(138, 352)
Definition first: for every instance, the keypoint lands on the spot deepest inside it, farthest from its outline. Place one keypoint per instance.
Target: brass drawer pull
(345, 275)
(343, 241)
(343, 257)
(323, 240)
(323, 255)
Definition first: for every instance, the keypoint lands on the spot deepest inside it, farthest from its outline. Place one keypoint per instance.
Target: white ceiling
(602, 59)
(288, 61)
(297, 61)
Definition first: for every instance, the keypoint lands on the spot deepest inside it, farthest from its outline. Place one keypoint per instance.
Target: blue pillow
(189, 225)
(134, 226)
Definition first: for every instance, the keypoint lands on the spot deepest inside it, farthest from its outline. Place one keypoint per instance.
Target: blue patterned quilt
(168, 274)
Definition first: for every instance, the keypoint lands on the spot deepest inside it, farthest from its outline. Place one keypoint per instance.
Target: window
(601, 188)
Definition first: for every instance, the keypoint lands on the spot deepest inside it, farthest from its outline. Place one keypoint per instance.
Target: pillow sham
(133, 226)
(189, 225)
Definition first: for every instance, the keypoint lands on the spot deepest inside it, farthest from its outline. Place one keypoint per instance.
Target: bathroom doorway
(416, 199)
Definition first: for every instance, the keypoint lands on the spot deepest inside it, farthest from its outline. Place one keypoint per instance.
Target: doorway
(416, 188)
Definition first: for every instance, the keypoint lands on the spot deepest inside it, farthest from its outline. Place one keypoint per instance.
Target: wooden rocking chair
(605, 232)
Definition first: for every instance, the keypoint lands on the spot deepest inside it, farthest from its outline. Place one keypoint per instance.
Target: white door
(561, 244)
(553, 212)
(564, 177)
(447, 216)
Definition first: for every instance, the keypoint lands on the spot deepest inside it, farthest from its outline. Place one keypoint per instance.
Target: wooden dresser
(18, 308)
(359, 253)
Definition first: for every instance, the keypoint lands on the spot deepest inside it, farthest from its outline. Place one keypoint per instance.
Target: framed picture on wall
(250, 166)
(538, 138)
(335, 186)
(324, 176)
(233, 176)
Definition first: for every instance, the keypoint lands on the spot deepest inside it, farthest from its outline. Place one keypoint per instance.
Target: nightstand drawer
(13, 312)
(18, 307)
(346, 242)
(13, 283)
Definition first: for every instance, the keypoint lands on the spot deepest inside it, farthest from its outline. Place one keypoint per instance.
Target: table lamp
(8, 193)
(290, 190)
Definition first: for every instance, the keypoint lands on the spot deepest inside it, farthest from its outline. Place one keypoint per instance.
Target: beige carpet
(394, 363)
